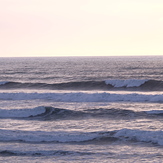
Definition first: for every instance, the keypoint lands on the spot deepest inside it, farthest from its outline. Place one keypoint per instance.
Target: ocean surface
(81, 109)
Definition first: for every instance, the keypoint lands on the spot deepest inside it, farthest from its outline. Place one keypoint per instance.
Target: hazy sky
(81, 27)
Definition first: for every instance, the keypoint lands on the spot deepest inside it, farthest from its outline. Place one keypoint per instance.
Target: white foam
(126, 83)
(84, 97)
(21, 112)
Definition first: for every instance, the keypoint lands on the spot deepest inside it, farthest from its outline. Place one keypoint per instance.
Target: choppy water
(92, 109)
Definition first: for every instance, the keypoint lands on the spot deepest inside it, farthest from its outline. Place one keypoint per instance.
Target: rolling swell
(50, 113)
(85, 85)
(152, 85)
(57, 113)
(4, 153)
(145, 85)
(121, 135)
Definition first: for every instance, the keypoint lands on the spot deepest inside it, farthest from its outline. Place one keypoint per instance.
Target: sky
(81, 27)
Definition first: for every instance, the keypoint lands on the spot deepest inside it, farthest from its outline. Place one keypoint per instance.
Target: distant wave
(84, 97)
(84, 85)
(42, 153)
(51, 113)
(136, 84)
(123, 135)
(130, 84)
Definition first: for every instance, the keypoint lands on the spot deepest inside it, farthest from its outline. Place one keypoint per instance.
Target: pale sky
(80, 27)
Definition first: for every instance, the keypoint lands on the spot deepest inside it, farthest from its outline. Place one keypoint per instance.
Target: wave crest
(126, 83)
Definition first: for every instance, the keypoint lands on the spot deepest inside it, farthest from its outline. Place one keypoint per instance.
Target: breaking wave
(125, 83)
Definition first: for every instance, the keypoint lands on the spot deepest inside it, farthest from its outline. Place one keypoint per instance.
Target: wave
(83, 85)
(123, 135)
(60, 114)
(43, 153)
(51, 113)
(129, 84)
(125, 83)
(84, 97)
(41, 113)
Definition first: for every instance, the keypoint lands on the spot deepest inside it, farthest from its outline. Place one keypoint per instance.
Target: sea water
(81, 109)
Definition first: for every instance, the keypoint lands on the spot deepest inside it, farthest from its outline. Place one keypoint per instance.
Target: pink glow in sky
(81, 27)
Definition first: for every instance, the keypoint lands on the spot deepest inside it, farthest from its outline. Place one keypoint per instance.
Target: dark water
(86, 109)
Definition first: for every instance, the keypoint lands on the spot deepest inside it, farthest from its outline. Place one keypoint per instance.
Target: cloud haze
(81, 27)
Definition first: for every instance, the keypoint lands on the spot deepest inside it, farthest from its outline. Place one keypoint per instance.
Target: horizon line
(145, 55)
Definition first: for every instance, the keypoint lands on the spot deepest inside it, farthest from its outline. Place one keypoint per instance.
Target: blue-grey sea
(81, 109)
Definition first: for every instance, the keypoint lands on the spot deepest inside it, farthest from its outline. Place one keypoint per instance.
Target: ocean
(81, 109)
